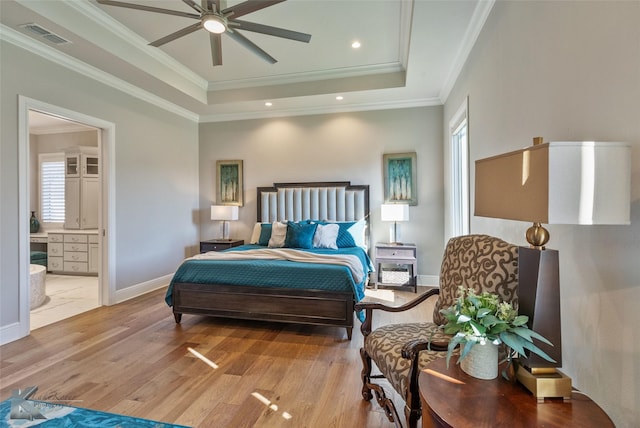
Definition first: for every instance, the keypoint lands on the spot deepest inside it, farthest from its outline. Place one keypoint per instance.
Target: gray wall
(156, 172)
(570, 71)
(335, 147)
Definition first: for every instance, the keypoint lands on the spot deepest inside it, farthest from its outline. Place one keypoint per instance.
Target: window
(51, 187)
(459, 172)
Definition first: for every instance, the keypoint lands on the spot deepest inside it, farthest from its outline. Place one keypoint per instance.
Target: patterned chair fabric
(481, 262)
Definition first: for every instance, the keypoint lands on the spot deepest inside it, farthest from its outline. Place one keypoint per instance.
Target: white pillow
(278, 234)
(255, 235)
(325, 236)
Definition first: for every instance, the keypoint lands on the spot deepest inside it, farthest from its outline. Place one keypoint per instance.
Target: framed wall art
(229, 182)
(400, 178)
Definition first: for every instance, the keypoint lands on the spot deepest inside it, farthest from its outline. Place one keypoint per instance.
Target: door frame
(106, 216)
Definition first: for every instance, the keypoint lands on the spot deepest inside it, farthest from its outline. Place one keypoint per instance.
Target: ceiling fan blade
(269, 30)
(216, 48)
(248, 6)
(194, 5)
(177, 34)
(251, 46)
(148, 8)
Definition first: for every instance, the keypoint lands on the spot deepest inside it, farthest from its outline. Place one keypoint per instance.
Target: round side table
(452, 398)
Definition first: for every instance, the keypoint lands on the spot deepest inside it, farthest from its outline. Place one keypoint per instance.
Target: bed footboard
(302, 306)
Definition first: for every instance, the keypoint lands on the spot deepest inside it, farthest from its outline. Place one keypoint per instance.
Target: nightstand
(219, 244)
(396, 264)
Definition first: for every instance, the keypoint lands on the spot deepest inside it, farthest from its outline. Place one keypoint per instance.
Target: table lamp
(394, 213)
(555, 183)
(224, 213)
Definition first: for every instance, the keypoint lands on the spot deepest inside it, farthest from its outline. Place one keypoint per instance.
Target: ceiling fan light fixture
(214, 24)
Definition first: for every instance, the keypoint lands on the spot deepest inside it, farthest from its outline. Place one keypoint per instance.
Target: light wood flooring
(133, 359)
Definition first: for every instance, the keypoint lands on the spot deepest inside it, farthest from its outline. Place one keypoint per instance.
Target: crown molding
(311, 76)
(139, 44)
(480, 15)
(327, 109)
(37, 48)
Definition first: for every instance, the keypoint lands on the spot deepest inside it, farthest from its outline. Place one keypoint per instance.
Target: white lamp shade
(394, 212)
(224, 212)
(557, 183)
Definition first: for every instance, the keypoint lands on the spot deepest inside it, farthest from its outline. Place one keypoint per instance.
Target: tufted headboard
(332, 201)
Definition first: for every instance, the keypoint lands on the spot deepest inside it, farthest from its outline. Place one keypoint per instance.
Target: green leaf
(478, 329)
(520, 320)
(533, 348)
(463, 318)
(482, 312)
(529, 335)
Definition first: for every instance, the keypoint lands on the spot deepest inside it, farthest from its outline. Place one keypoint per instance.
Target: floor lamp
(554, 183)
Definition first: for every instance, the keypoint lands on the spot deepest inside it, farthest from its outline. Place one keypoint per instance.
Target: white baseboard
(429, 280)
(11, 332)
(142, 288)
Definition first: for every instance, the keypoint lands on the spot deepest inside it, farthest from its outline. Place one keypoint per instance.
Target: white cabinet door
(72, 203)
(93, 257)
(90, 166)
(90, 198)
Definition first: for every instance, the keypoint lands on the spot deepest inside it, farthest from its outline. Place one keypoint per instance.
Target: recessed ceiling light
(268, 104)
(339, 98)
(356, 44)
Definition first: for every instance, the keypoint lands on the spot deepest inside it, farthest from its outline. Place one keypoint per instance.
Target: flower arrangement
(482, 318)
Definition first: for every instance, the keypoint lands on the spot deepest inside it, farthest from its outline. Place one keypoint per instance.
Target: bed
(308, 285)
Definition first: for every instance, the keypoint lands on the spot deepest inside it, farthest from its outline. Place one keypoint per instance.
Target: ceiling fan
(217, 19)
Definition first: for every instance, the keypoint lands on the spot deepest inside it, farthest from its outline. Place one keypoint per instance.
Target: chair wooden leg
(367, 386)
(365, 374)
(412, 416)
(413, 406)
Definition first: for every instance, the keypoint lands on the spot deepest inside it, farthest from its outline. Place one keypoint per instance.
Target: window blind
(52, 189)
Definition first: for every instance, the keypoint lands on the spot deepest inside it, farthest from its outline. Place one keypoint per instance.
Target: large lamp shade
(557, 183)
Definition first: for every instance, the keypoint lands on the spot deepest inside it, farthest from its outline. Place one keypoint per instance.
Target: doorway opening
(65, 175)
(64, 199)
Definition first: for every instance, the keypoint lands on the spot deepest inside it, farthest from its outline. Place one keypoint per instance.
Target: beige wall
(570, 71)
(338, 147)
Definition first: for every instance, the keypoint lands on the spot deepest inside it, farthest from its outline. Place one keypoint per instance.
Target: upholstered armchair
(400, 351)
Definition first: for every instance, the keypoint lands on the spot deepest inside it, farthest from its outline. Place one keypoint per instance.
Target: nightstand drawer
(219, 244)
(396, 252)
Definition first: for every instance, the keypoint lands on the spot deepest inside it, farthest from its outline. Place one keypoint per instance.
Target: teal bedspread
(275, 273)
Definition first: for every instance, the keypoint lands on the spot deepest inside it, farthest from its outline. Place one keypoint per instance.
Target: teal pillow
(300, 235)
(345, 238)
(265, 234)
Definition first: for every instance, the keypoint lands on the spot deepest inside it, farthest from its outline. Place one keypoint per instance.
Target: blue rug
(29, 413)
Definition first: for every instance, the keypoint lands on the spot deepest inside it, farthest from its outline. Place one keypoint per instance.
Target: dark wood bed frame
(304, 306)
